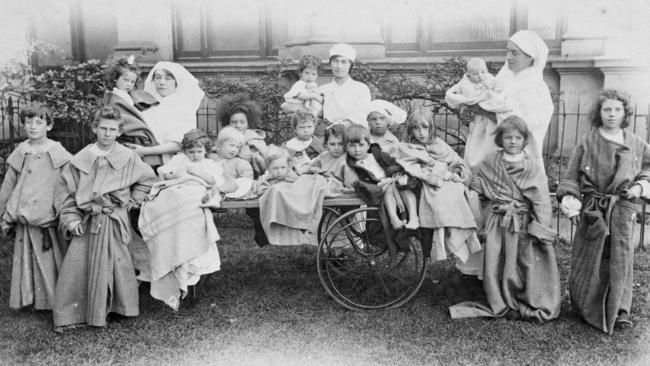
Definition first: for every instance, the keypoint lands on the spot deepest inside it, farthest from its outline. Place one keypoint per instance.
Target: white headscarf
(525, 93)
(187, 86)
(532, 45)
(394, 113)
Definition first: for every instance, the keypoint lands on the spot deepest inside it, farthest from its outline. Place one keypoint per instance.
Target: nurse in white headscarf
(520, 89)
(345, 99)
(180, 96)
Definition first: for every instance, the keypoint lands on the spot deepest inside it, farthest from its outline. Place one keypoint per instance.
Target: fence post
(10, 119)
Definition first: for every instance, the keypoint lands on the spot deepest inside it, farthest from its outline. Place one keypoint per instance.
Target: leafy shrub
(399, 88)
(74, 92)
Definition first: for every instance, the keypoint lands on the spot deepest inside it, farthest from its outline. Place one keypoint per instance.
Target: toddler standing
(93, 195)
(608, 172)
(303, 95)
(520, 275)
(26, 208)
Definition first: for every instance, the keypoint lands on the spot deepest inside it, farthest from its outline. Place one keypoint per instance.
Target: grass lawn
(267, 307)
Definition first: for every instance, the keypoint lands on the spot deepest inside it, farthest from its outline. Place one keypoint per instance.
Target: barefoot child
(520, 274)
(378, 174)
(305, 146)
(26, 208)
(445, 216)
(608, 172)
(92, 197)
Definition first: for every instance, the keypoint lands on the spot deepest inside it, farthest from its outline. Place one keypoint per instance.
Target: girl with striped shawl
(520, 275)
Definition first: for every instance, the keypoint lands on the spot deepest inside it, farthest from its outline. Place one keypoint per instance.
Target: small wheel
(356, 268)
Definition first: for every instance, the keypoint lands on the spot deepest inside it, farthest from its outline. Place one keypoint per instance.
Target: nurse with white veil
(180, 96)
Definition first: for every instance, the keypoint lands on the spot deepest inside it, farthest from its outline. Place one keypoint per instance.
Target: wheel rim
(360, 274)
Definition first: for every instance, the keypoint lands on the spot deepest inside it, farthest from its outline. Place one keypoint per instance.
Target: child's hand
(75, 228)
(384, 183)
(571, 206)
(191, 170)
(633, 192)
(456, 178)
(138, 148)
(447, 175)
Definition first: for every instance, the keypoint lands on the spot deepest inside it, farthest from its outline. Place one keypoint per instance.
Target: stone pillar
(634, 79)
(598, 51)
(580, 83)
(315, 29)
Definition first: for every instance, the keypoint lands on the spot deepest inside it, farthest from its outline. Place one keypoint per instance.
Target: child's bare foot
(397, 223)
(413, 224)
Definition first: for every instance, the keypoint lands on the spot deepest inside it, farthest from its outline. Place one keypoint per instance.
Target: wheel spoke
(357, 272)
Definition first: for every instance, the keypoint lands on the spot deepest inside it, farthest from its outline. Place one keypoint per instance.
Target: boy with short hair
(93, 195)
(26, 209)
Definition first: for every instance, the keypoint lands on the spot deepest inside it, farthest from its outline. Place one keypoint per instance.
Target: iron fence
(562, 135)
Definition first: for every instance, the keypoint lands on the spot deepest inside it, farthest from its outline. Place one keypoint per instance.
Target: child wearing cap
(381, 115)
(345, 99)
(304, 95)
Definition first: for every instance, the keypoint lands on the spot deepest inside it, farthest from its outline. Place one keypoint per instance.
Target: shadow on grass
(267, 307)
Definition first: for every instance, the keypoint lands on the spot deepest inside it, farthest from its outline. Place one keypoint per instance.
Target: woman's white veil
(187, 86)
(529, 42)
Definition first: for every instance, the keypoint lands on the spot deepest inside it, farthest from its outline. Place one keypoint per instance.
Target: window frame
(263, 51)
(426, 46)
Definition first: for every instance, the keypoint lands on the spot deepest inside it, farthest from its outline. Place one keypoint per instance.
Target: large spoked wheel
(358, 271)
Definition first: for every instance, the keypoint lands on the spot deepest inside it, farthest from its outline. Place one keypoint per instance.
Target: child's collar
(513, 158)
(59, 156)
(117, 158)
